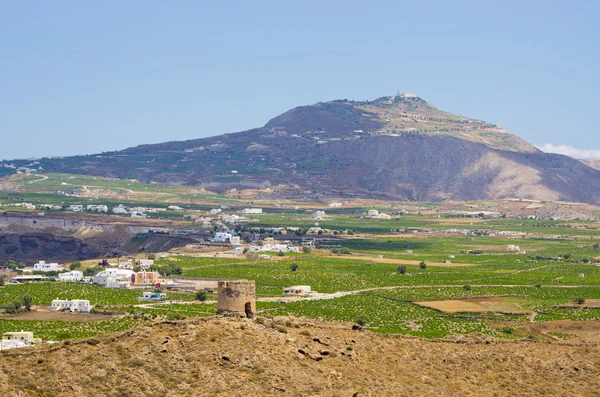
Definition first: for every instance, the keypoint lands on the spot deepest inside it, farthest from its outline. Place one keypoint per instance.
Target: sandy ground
(235, 357)
(56, 316)
(488, 305)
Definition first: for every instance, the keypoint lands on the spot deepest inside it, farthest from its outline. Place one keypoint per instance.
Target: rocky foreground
(235, 357)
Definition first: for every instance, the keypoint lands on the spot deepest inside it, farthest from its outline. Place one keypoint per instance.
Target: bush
(401, 269)
(280, 253)
(27, 301)
(467, 287)
(294, 267)
(201, 296)
(75, 265)
(306, 250)
(538, 286)
(579, 300)
(422, 265)
(362, 321)
(508, 330)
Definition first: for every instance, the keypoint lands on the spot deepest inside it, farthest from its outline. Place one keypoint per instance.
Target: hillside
(218, 357)
(398, 147)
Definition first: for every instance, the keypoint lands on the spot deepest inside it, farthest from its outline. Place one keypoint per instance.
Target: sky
(82, 77)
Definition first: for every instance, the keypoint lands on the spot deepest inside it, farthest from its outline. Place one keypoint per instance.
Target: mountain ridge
(395, 147)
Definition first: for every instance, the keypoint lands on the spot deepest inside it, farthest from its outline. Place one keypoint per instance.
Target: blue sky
(85, 77)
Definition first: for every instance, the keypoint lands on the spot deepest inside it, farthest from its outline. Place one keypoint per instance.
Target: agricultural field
(419, 273)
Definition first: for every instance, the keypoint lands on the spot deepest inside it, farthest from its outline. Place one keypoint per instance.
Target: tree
(422, 265)
(27, 301)
(75, 265)
(362, 321)
(401, 269)
(596, 246)
(137, 268)
(467, 287)
(201, 296)
(92, 271)
(306, 250)
(294, 267)
(2, 281)
(21, 265)
(579, 300)
(152, 257)
(11, 264)
(280, 253)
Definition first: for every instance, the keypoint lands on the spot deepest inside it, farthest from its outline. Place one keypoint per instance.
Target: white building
(114, 278)
(297, 290)
(319, 214)
(153, 296)
(42, 266)
(222, 237)
(137, 214)
(120, 209)
(74, 275)
(275, 248)
(514, 248)
(174, 208)
(97, 208)
(235, 240)
(335, 205)
(75, 208)
(15, 340)
(75, 305)
(215, 211)
(252, 211)
(372, 213)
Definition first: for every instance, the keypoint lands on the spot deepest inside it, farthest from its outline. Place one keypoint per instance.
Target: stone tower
(236, 298)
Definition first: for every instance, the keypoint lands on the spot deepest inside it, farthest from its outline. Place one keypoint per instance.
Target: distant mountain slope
(397, 147)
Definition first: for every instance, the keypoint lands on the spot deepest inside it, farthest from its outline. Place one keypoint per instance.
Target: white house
(297, 290)
(75, 208)
(319, 214)
(75, 305)
(372, 213)
(235, 240)
(74, 275)
(335, 205)
(252, 211)
(114, 278)
(42, 266)
(153, 296)
(97, 208)
(215, 211)
(137, 214)
(222, 237)
(174, 208)
(120, 209)
(15, 340)
(514, 248)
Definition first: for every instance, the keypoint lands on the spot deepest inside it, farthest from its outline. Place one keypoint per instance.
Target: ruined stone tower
(237, 298)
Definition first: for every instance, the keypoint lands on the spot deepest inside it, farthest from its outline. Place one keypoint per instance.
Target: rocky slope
(398, 147)
(29, 237)
(228, 357)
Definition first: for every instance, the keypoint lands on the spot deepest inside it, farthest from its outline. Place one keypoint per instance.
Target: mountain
(397, 147)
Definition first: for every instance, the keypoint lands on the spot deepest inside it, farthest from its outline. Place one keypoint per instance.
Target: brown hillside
(398, 147)
(228, 357)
